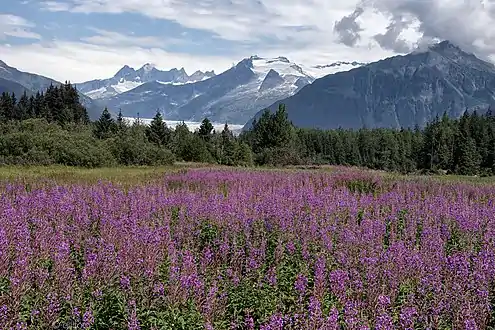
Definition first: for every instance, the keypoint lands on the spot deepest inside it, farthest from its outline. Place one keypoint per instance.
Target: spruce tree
(205, 130)
(228, 146)
(469, 158)
(158, 132)
(30, 109)
(272, 130)
(22, 108)
(6, 106)
(104, 127)
(120, 120)
(10, 107)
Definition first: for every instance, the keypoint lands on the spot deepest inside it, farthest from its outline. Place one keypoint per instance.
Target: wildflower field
(239, 249)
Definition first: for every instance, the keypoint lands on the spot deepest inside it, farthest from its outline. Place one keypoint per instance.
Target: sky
(80, 40)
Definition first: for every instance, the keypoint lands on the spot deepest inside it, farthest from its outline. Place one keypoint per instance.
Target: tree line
(53, 127)
(460, 146)
(59, 104)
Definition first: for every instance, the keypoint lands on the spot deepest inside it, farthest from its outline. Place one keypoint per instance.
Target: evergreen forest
(54, 128)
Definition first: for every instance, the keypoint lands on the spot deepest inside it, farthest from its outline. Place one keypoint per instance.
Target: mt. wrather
(233, 96)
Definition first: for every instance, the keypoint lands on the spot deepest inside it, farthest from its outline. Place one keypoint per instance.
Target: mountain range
(128, 78)
(400, 91)
(15, 81)
(233, 96)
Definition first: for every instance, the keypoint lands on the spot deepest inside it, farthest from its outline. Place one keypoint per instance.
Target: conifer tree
(22, 108)
(104, 127)
(205, 130)
(7, 106)
(30, 110)
(469, 160)
(228, 146)
(120, 120)
(244, 155)
(158, 132)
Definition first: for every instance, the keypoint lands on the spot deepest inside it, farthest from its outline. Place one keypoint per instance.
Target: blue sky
(86, 39)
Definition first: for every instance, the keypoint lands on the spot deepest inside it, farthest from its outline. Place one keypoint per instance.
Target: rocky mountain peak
(148, 67)
(126, 70)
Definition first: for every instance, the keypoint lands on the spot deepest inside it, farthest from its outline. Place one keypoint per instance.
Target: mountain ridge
(128, 78)
(399, 91)
(233, 95)
(9, 86)
(33, 82)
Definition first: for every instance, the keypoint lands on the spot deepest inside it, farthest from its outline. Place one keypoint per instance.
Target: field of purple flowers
(232, 249)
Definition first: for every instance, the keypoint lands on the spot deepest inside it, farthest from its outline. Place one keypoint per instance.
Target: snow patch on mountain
(281, 65)
(319, 71)
(287, 69)
(124, 86)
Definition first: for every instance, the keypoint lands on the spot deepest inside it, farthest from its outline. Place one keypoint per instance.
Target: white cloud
(16, 26)
(55, 6)
(468, 23)
(235, 20)
(294, 28)
(306, 31)
(109, 38)
(78, 61)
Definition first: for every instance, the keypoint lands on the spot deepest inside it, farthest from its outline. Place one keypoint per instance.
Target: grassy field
(146, 174)
(66, 174)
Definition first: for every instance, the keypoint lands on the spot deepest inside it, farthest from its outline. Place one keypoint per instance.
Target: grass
(145, 174)
(69, 175)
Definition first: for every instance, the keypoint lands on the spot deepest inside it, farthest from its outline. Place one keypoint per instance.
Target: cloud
(232, 20)
(55, 6)
(255, 25)
(298, 29)
(308, 32)
(79, 61)
(391, 38)
(16, 26)
(348, 29)
(111, 38)
(469, 24)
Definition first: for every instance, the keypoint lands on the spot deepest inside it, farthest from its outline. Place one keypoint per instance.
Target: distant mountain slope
(10, 87)
(233, 96)
(34, 82)
(401, 91)
(127, 79)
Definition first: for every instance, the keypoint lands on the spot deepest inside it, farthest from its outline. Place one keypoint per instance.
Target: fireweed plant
(227, 249)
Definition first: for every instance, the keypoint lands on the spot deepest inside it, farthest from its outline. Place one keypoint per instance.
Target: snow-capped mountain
(128, 78)
(233, 96)
(397, 92)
